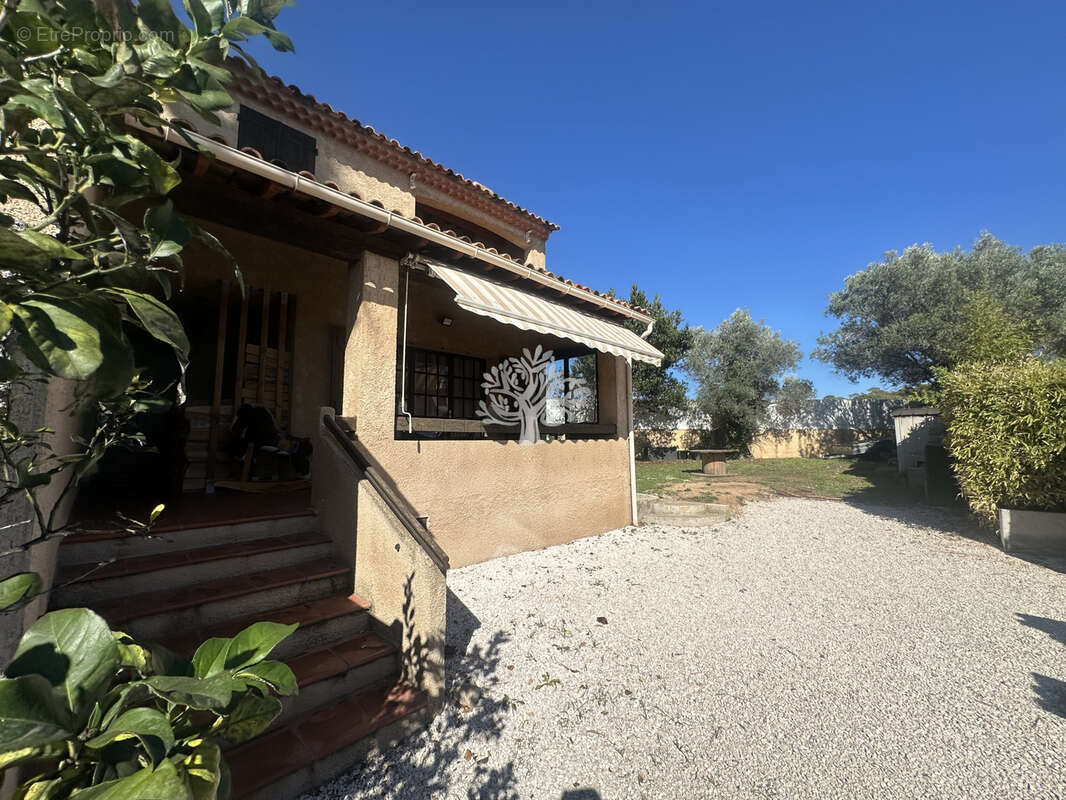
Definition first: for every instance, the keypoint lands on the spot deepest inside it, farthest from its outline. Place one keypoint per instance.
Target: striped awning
(512, 306)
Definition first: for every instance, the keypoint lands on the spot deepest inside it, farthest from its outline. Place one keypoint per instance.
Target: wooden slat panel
(220, 363)
(282, 378)
(264, 333)
(242, 341)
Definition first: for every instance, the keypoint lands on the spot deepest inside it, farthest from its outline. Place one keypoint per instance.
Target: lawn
(833, 478)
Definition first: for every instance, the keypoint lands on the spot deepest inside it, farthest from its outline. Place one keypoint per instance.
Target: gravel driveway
(806, 649)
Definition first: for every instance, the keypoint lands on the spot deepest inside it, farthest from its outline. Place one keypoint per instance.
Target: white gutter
(311, 188)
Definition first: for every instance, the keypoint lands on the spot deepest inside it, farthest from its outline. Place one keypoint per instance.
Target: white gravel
(807, 649)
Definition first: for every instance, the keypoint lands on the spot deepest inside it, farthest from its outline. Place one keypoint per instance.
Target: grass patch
(835, 478)
(652, 476)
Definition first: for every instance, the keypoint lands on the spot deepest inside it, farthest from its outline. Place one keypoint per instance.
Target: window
(276, 141)
(442, 385)
(573, 391)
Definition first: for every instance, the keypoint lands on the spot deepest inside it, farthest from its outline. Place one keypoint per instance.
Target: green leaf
(17, 251)
(201, 17)
(251, 716)
(166, 231)
(51, 246)
(154, 515)
(44, 788)
(166, 662)
(147, 725)
(31, 714)
(240, 28)
(274, 674)
(66, 335)
(161, 783)
(7, 314)
(17, 191)
(74, 650)
(131, 654)
(216, 9)
(212, 241)
(254, 643)
(160, 17)
(206, 694)
(124, 697)
(210, 657)
(162, 175)
(158, 319)
(203, 767)
(10, 759)
(18, 589)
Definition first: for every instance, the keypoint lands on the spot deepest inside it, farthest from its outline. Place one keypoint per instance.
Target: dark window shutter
(276, 141)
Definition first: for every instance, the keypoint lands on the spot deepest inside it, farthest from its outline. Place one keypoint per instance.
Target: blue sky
(725, 155)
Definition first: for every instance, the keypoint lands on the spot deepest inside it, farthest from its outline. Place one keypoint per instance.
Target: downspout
(632, 446)
(403, 356)
(647, 332)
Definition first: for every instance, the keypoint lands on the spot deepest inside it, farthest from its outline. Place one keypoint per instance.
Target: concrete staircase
(654, 510)
(180, 587)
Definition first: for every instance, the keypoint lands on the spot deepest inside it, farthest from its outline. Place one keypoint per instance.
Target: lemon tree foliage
(80, 80)
(88, 712)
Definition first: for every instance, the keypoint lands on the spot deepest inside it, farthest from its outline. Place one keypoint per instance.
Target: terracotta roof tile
(529, 265)
(316, 114)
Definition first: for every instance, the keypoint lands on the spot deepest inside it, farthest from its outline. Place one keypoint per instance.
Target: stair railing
(401, 508)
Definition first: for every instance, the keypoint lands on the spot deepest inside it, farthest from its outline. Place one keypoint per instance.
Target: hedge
(1006, 432)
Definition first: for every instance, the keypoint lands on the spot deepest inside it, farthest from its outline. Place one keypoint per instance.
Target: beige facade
(484, 498)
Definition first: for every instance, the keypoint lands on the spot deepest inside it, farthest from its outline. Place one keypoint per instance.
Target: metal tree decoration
(517, 392)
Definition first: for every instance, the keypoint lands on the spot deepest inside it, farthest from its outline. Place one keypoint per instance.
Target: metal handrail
(386, 489)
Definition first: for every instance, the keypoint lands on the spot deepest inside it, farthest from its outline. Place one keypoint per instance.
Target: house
(379, 290)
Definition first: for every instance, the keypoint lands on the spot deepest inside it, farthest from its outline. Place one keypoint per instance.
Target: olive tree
(737, 368)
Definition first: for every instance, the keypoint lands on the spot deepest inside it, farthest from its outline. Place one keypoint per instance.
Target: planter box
(1033, 531)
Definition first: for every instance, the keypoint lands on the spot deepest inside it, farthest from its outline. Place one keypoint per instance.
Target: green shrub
(1006, 426)
(91, 713)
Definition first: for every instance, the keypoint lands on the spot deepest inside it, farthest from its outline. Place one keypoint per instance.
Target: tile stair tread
(302, 741)
(180, 558)
(176, 599)
(336, 659)
(320, 610)
(96, 535)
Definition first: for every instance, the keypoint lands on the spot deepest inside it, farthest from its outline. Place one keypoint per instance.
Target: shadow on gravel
(580, 794)
(1050, 692)
(462, 733)
(1054, 628)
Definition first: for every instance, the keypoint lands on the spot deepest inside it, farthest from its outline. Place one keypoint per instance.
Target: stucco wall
(406, 589)
(806, 443)
(319, 284)
(35, 406)
(484, 498)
